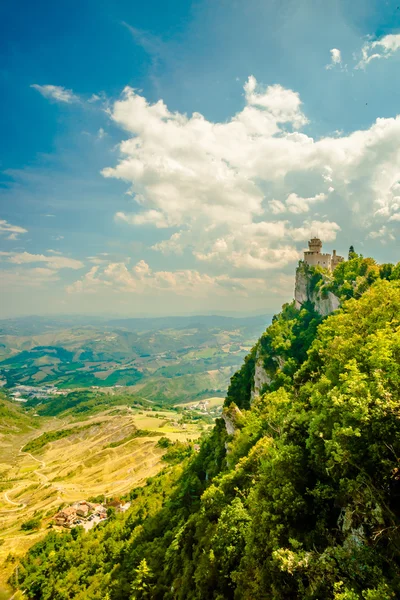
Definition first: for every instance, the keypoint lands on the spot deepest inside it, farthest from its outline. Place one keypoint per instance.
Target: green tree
(31, 524)
(141, 585)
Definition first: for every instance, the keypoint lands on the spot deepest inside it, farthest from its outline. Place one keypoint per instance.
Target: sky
(174, 158)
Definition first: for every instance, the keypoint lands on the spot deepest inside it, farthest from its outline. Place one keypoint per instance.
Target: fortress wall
(314, 259)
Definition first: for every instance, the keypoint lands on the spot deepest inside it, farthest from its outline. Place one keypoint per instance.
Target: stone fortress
(323, 303)
(314, 257)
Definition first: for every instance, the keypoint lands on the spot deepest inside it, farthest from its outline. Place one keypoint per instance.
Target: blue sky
(174, 158)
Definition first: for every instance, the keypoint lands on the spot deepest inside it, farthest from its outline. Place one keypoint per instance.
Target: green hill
(13, 419)
(151, 353)
(294, 495)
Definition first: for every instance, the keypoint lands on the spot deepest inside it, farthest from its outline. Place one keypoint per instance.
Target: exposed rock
(261, 377)
(302, 293)
(280, 360)
(229, 426)
(230, 416)
(325, 306)
(301, 288)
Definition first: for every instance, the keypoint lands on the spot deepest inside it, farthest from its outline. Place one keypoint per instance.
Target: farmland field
(166, 360)
(107, 453)
(83, 405)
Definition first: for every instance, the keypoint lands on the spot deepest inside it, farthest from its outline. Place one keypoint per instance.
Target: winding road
(42, 477)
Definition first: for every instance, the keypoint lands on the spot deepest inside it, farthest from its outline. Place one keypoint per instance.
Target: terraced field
(109, 453)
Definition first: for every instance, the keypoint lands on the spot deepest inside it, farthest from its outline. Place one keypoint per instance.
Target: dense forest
(301, 501)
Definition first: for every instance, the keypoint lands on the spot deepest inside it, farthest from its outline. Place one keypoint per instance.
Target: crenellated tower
(314, 257)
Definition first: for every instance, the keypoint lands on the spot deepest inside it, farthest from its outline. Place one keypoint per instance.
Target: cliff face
(284, 345)
(323, 305)
(231, 416)
(261, 376)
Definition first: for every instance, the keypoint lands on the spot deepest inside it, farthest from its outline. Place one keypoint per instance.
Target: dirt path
(12, 501)
(18, 504)
(41, 462)
(42, 477)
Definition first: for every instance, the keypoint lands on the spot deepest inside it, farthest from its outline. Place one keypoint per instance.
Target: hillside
(51, 461)
(13, 419)
(295, 492)
(175, 359)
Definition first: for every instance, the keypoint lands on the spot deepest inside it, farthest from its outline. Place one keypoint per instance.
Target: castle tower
(314, 257)
(315, 245)
(336, 259)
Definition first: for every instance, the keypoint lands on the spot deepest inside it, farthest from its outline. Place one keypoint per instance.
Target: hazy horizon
(110, 316)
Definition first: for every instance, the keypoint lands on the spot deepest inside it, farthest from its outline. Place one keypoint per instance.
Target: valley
(90, 408)
(165, 360)
(48, 462)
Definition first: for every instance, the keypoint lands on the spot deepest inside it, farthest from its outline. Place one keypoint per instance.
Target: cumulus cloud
(148, 217)
(336, 58)
(207, 179)
(220, 189)
(280, 104)
(12, 232)
(141, 279)
(56, 92)
(295, 204)
(383, 234)
(385, 47)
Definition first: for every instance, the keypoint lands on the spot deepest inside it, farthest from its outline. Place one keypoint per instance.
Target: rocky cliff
(283, 346)
(324, 303)
(261, 377)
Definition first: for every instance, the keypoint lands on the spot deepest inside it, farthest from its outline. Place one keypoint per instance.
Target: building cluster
(202, 406)
(22, 393)
(87, 512)
(314, 257)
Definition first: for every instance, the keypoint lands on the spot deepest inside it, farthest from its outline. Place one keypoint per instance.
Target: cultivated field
(102, 455)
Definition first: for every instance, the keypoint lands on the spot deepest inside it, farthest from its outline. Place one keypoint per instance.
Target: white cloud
(56, 92)
(295, 204)
(119, 278)
(171, 246)
(382, 48)
(12, 232)
(209, 182)
(148, 217)
(336, 58)
(52, 262)
(207, 178)
(277, 207)
(325, 230)
(384, 234)
(281, 105)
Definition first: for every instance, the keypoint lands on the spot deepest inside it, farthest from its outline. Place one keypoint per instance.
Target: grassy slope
(308, 495)
(75, 466)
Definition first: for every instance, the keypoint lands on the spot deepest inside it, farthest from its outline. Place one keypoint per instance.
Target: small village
(87, 514)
